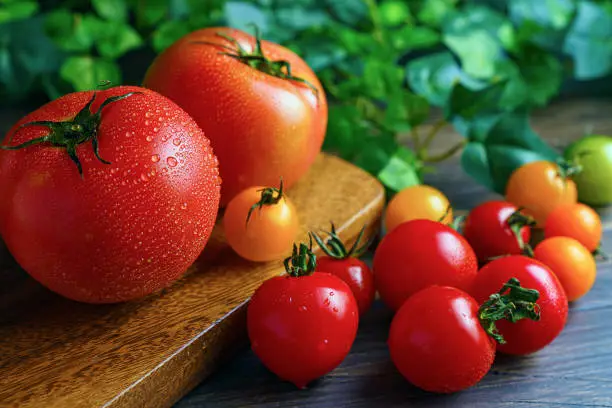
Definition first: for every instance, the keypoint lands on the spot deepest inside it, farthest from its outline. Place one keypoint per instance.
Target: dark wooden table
(575, 371)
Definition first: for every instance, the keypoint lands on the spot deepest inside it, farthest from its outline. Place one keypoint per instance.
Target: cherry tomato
(418, 202)
(526, 336)
(303, 325)
(260, 104)
(115, 202)
(497, 228)
(421, 253)
(576, 221)
(341, 262)
(442, 341)
(571, 262)
(539, 187)
(261, 224)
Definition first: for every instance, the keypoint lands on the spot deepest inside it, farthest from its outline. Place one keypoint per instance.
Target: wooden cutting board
(58, 353)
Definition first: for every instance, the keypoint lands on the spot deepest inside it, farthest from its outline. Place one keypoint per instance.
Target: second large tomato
(263, 109)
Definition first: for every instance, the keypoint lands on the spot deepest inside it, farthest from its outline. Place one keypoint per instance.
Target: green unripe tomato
(594, 182)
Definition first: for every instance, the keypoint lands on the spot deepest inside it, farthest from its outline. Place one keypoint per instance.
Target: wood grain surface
(574, 371)
(149, 353)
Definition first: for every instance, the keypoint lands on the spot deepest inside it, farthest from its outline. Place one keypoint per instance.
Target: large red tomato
(262, 124)
(138, 216)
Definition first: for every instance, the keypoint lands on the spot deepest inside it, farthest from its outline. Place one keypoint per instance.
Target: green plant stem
(416, 139)
(377, 32)
(445, 155)
(439, 125)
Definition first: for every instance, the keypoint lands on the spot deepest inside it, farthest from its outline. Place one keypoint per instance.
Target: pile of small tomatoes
(462, 289)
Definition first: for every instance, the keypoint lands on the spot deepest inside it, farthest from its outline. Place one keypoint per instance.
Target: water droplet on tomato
(128, 134)
(147, 122)
(149, 138)
(155, 158)
(303, 308)
(160, 119)
(176, 142)
(326, 302)
(172, 162)
(155, 129)
(144, 177)
(331, 293)
(184, 206)
(335, 309)
(148, 115)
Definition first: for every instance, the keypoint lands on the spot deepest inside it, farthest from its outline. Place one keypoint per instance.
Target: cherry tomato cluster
(458, 298)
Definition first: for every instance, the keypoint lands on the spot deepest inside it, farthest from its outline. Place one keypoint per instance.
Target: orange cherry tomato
(540, 187)
(418, 202)
(578, 221)
(261, 224)
(573, 264)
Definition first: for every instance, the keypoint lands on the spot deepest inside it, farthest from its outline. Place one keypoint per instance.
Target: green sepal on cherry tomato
(345, 264)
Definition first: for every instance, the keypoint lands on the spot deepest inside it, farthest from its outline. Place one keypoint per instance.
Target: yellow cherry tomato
(418, 202)
(539, 187)
(571, 262)
(261, 224)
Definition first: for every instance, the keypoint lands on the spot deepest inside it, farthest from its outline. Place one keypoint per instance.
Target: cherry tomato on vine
(578, 221)
(107, 196)
(342, 262)
(541, 186)
(260, 104)
(261, 224)
(442, 341)
(418, 254)
(525, 337)
(303, 325)
(418, 202)
(571, 262)
(497, 228)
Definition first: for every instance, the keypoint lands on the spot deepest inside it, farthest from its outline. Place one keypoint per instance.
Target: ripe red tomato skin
(421, 253)
(110, 236)
(261, 127)
(488, 233)
(526, 336)
(437, 342)
(356, 274)
(302, 327)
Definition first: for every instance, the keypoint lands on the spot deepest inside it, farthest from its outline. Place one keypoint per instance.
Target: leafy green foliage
(485, 64)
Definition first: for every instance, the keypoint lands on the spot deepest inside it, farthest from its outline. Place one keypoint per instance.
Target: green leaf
(401, 170)
(116, 38)
(478, 36)
(556, 14)
(320, 55)
(404, 111)
(542, 74)
(111, 9)
(299, 18)
(348, 12)
(434, 12)
(150, 12)
(86, 72)
(589, 40)
(17, 10)
(410, 38)
(356, 42)
(26, 54)
(345, 131)
(380, 78)
(469, 103)
(509, 144)
(167, 33)
(72, 32)
(434, 76)
(394, 13)
(240, 15)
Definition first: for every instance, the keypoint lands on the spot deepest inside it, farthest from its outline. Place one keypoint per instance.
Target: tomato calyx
(567, 168)
(516, 222)
(71, 133)
(334, 247)
(302, 261)
(257, 60)
(513, 303)
(269, 196)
